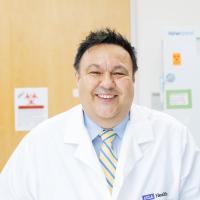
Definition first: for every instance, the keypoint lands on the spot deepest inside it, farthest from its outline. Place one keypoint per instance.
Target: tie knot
(108, 136)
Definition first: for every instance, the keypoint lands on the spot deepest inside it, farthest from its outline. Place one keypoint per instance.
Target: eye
(95, 72)
(119, 74)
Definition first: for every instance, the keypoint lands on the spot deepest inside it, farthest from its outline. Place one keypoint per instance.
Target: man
(107, 147)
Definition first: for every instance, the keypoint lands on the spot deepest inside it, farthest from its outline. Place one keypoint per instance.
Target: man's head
(105, 36)
(105, 66)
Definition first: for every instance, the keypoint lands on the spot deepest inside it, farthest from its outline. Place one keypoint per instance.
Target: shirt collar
(94, 129)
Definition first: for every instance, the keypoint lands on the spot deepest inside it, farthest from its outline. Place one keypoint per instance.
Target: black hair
(105, 36)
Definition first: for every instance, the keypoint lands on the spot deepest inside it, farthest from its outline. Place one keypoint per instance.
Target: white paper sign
(31, 107)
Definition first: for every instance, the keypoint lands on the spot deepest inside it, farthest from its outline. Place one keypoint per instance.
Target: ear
(133, 78)
(77, 76)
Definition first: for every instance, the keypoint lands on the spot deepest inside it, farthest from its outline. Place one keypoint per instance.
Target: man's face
(105, 83)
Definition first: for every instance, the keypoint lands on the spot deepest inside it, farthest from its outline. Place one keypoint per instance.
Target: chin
(106, 115)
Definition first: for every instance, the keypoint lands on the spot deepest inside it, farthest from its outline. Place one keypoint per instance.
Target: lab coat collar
(74, 123)
(143, 131)
(77, 135)
(138, 137)
(138, 120)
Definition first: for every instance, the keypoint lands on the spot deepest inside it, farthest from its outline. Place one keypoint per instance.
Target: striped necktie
(107, 158)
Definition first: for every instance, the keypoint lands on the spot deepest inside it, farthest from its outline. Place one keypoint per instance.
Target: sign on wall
(31, 107)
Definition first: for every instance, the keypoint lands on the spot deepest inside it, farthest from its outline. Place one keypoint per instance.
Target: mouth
(106, 96)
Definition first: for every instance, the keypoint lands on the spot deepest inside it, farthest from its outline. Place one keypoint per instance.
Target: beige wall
(38, 40)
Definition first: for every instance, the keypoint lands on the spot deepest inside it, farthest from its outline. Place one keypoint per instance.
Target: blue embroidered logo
(148, 197)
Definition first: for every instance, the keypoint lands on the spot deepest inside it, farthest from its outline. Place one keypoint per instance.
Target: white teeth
(105, 96)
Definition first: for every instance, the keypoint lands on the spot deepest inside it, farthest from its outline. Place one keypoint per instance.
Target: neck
(107, 123)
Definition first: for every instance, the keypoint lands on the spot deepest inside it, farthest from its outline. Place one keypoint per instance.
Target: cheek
(86, 84)
(126, 86)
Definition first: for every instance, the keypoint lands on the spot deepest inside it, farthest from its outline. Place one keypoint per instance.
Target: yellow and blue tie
(107, 157)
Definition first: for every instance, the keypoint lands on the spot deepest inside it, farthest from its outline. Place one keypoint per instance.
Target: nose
(107, 81)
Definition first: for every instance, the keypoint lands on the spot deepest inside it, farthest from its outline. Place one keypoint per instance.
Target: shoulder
(163, 126)
(54, 128)
(140, 113)
(58, 119)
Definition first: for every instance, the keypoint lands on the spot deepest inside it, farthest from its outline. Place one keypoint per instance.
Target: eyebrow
(115, 67)
(119, 67)
(93, 65)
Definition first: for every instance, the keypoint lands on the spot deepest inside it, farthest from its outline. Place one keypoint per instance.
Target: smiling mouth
(106, 96)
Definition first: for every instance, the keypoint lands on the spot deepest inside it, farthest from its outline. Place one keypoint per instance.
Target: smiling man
(105, 82)
(106, 148)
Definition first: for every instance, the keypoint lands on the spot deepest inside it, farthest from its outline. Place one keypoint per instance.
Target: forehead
(106, 53)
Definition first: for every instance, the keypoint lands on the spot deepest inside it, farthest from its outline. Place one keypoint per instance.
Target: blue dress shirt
(94, 130)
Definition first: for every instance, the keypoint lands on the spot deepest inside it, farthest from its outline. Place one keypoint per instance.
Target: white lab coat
(56, 161)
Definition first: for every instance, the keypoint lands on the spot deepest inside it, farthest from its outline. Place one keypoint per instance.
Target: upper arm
(190, 178)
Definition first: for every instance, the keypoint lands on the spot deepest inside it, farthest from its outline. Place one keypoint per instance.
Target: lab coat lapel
(137, 137)
(85, 152)
(77, 135)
